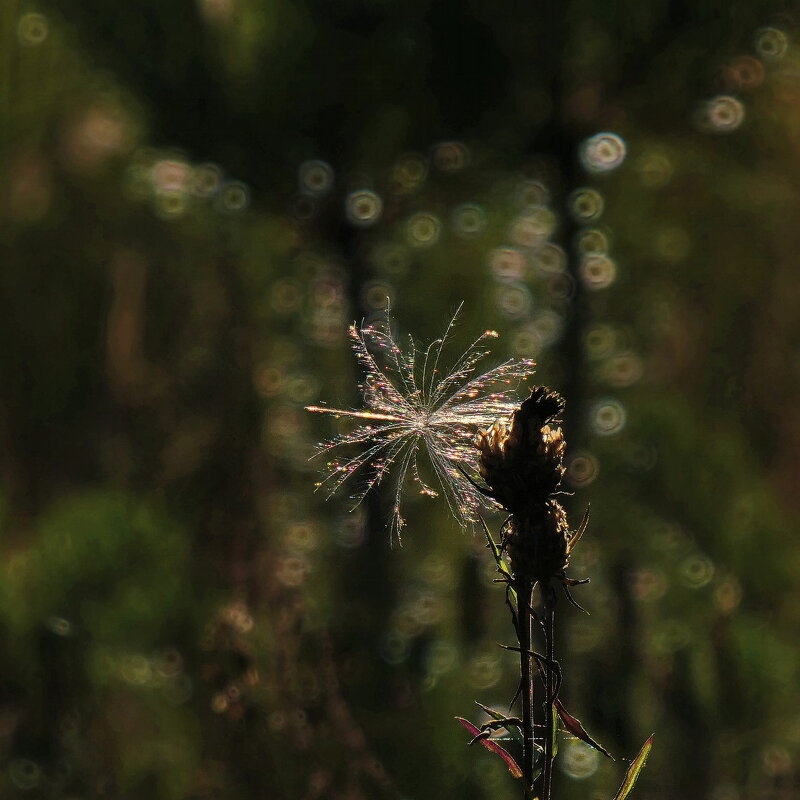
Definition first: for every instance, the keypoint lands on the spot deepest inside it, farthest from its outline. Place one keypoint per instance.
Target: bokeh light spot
(513, 300)
(592, 241)
(391, 259)
(363, 207)
(527, 342)
(532, 228)
(648, 584)
(586, 205)
(377, 295)
(286, 296)
(608, 417)
(532, 193)
(440, 657)
(728, 595)
(578, 760)
(205, 180)
(744, 72)
(697, 572)
(234, 197)
(99, 132)
(582, 469)
(302, 537)
(560, 287)
(485, 671)
(599, 340)
(351, 531)
(603, 152)
(641, 456)
(548, 326)
(671, 635)
(32, 29)
(292, 570)
(24, 773)
(655, 169)
(170, 176)
(551, 259)
(507, 264)
(771, 43)
(469, 219)
(623, 370)
(437, 571)
(315, 177)
(723, 114)
(59, 626)
(423, 229)
(450, 156)
(136, 670)
(170, 204)
(598, 272)
(408, 174)
(776, 761)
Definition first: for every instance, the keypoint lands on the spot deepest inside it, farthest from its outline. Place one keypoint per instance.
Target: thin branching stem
(524, 622)
(550, 692)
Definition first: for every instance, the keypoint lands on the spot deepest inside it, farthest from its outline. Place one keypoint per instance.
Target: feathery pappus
(413, 405)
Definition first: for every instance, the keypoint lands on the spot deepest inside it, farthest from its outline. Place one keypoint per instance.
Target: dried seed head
(538, 545)
(522, 460)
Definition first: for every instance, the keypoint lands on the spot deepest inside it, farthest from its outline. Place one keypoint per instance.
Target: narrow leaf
(634, 769)
(492, 544)
(573, 725)
(576, 535)
(513, 730)
(498, 557)
(512, 765)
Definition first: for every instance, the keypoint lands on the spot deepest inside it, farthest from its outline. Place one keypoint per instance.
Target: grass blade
(633, 771)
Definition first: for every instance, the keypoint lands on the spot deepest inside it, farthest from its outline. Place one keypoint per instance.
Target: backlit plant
(487, 450)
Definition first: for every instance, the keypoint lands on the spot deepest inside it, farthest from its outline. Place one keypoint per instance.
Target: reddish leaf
(573, 726)
(512, 765)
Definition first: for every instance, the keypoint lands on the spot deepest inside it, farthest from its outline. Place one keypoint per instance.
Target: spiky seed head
(522, 459)
(538, 544)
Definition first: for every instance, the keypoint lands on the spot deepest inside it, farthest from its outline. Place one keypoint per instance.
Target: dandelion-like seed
(410, 405)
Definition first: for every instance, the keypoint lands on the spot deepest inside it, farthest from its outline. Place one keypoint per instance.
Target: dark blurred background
(197, 198)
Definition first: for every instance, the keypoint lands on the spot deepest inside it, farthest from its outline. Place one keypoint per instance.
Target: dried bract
(522, 462)
(522, 459)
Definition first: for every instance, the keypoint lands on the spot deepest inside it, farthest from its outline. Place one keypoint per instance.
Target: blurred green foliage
(197, 198)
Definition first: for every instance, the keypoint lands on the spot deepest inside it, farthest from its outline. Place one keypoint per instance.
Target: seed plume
(411, 406)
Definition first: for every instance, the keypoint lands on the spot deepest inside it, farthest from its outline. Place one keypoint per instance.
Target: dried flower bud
(538, 545)
(522, 460)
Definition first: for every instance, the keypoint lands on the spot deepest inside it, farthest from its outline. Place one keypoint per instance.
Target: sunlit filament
(413, 402)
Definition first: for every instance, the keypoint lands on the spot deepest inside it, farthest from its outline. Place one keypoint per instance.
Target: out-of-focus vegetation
(197, 198)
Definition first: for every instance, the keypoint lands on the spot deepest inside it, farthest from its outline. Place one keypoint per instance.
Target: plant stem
(524, 620)
(549, 733)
